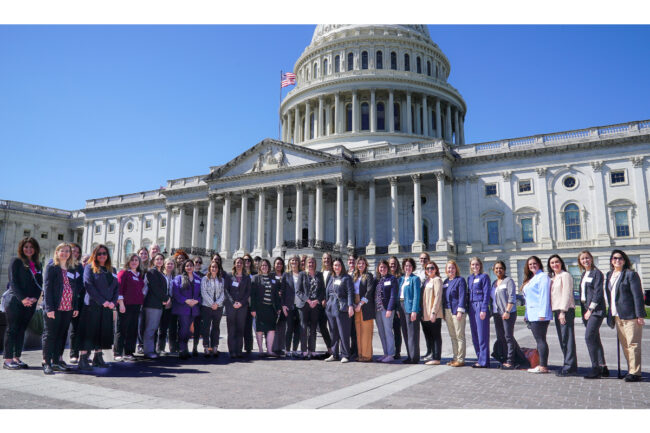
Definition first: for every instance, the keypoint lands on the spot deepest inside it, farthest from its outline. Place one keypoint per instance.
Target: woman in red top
(130, 298)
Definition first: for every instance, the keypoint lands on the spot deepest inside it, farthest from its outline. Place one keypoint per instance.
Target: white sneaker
(331, 358)
(389, 358)
(118, 358)
(344, 360)
(537, 370)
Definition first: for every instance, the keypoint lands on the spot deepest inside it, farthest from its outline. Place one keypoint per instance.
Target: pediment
(271, 155)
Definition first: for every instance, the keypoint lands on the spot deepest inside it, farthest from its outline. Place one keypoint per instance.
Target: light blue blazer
(538, 297)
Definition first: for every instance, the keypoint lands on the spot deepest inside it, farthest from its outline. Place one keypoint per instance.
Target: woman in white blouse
(564, 313)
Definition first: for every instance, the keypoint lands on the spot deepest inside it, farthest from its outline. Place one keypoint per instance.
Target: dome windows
(364, 60)
(337, 64)
(325, 64)
(381, 117)
(407, 62)
(418, 65)
(396, 116)
(428, 68)
(379, 60)
(348, 117)
(365, 116)
(350, 64)
(393, 61)
(315, 70)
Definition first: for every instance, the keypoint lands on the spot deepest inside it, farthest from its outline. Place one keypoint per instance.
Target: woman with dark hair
(564, 312)
(213, 289)
(386, 300)
(237, 305)
(145, 264)
(339, 310)
(96, 323)
(396, 271)
(78, 286)
(537, 291)
(186, 290)
(432, 311)
(309, 298)
(291, 284)
(323, 324)
(454, 292)
(249, 268)
(286, 299)
(59, 305)
(265, 306)
(626, 310)
(478, 284)
(168, 320)
(592, 302)
(364, 301)
(410, 295)
(154, 304)
(130, 298)
(26, 281)
(216, 257)
(180, 257)
(503, 296)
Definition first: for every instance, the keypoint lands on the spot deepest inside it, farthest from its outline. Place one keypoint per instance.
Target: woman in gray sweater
(503, 298)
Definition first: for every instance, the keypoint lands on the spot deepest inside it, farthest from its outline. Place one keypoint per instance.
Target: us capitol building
(372, 160)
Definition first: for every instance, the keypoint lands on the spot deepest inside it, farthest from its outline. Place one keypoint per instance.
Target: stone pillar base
(393, 248)
(226, 255)
(644, 238)
(239, 253)
(371, 249)
(278, 252)
(442, 245)
(259, 252)
(417, 247)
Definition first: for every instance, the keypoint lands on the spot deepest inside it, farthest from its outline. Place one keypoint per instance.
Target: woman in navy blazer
(386, 300)
(309, 298)
(340, 309)
(238, 291)
(454, 290)
(291, 282)
(186, 295)
(479, 311)
(410, 296)
(59, 306)
(626, 310)
(592, 302)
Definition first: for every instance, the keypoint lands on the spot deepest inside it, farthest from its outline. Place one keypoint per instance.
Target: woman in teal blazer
(410, 310)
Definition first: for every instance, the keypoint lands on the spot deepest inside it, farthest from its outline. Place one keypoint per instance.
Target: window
(428, 68)
(407, 62)
(27, 233)
(337, 64)
(348, 117)
(111, 227)
(396, 117)
(490, 189)
(311, 126)
(572, 222)
(129, 226)
(350, 61)
(365, 116)
(325, 67)
(569, 182)
(379, 60)
(163, 222)
(617, 177)
(393, 61)
(493, 232)
(527, 230)
(622, 224)
(128, 247)
(44, 235)
(147, 224)
(525, 186)
(381, 117)
(59, 237)
(98, 229)
(364, 60)
(418, 65)
(315, 70)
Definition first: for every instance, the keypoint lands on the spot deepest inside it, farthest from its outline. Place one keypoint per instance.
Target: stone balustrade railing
(32, 208)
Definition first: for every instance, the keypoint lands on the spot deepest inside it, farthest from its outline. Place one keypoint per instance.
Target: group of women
(174, 301)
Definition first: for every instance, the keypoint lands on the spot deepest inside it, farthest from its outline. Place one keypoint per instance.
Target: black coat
(367, 290)
(53, 288)
(257, 292)
(157, 291)
(24, 284)
(303, 293)
(289, 291)
(629, 296)
(236, 292)
(594, 294)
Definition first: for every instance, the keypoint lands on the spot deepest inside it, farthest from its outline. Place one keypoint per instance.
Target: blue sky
(93, 111)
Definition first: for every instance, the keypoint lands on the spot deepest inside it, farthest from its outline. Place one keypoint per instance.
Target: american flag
(288, 79)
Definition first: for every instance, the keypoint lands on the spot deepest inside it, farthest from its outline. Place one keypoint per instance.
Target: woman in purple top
(478, 284)
(186, 295)
(386, 300)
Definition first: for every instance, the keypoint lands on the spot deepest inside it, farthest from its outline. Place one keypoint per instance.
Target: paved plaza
(286, 383)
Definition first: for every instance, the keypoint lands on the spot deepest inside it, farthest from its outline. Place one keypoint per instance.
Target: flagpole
(279, 107)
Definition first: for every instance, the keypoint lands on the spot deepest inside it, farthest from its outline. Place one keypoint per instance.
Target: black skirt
(96, 328)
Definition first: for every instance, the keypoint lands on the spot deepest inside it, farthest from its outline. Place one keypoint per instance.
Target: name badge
(386, 283)
(197, 281)
(273, 281)
(445, 285)
(477, 280)
(136, 279)
(502, 286)
(337, 282)
(235, 283)
(115, 275)
(407, 283)
(589, 279)
(77, 275)
(70, 275)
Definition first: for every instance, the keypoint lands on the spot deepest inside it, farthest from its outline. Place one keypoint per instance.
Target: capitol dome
(367, 85)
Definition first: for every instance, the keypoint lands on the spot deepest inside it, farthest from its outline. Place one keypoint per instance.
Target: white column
(319, 211)
(319, 126)
(462, 130)
(310, 217)
(283, 134)
(371, 247)
(373, 112)
(448, 124)
(418, 246)
(140, 230)
(393, 248)
(279, 223)
(243, 228)
(104, 233)
(195, 226)
(289, 137)
(438, 120)
(307, 120)
(337, 116)
(181, 222)
(156, 222)
(416, 113)
(209, 232)
(457, 137)
(361, 217)
(391, 111)
(118, 246)
(296, 126)
(442, 233)
(355, 112)
(86, 237)
(409, 122)
(542, 194)
(169, 230)
(351, 242)
(298, 213)
(328, 119)
(260, 249)
(425, 116)
(339, 214)
(225, 228)
(641, 198)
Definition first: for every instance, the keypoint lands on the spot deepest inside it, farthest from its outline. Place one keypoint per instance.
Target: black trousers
(142, 324)
(432, 333)
(18, 317)
(168, 330)
(322, 327)
(210, 321)
(236, 323)
(397, 329)
(280, 331)
(505, 330)
(354, 349)
(293, 329)
(96, 328)
(539, 329)
(340, 324)
(594, 345)
(567, 337)
(411, 332)
(248, 331)
(197, 332)
(75, 341)
(127, 330)
(184, 333)
(427, 336)
(309, 318)
(54, 334)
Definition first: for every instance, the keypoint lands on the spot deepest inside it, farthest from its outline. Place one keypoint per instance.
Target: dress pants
(385, 331)
(96, 328)
(309, 318)
(54, 334)
(480, 333)
(211, 320)
(75, 341)
(592, 338)
(364, 329)
(280, 331)
(248, 332)
(184, 333)
(127, 330)
(168, 329)
(236, 323)
(151, 323)
(142, 323)
(630, 334)
(18, 317)
(432, 332)
(196, 335)
(397, 328)
(456, 329)
(566, 335)
(340, 324)
(411, 332)
(505, 330)
(293, 330)
(427, 334)
(322, 327)
(539, 329)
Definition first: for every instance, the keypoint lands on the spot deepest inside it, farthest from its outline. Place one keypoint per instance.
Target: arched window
(315, 70)
(348, 117)
(324, 67)
(572, 222)
(365, 116)
(393, 61)
(337, 64)
(407, 62)
(379, 60)
(311, 126)
(381, 117)
(364, 60)
(350, 61)
(428, 68)
(396, 117)
(128, 248)
(418, 65)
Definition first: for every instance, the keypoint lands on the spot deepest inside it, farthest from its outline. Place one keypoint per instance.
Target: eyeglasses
(102, 253)
(198, 263)
(431, 268)
(247, 260)
(617, 258)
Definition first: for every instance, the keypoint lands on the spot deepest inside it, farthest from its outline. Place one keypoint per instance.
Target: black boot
(596, 373)
(47, 368)
(604, 371)
(98, 360)
(84, 365)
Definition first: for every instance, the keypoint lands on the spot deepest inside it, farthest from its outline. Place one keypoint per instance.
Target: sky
(94, 111)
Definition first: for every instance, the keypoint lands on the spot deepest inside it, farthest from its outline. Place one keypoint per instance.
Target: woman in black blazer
(154, 303)
(309, 298)
(291, 282)
(265, 306)
(340, 309)
(626, 310)
(26, 280)
(59, 306)
(238, 291)
(364, 301)
(592, 302)
(78, 281)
